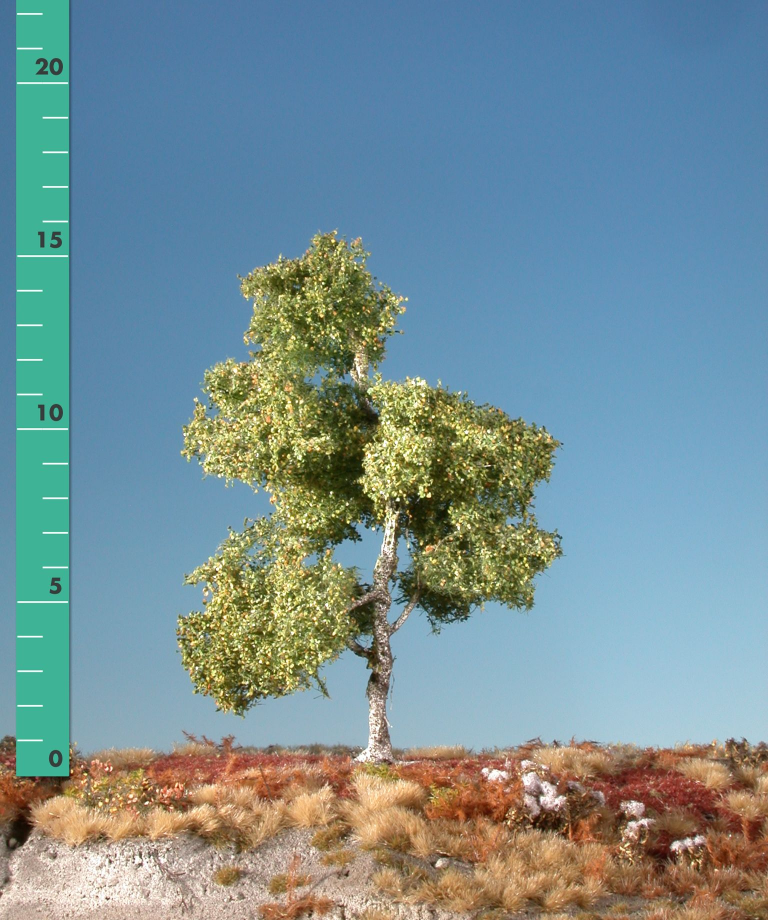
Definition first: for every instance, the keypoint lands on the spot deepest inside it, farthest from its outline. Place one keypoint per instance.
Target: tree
(338, 449)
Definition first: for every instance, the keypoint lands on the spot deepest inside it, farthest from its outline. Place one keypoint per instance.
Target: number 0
(55, 759)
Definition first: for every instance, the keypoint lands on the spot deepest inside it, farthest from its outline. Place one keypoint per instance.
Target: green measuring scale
(42, 388)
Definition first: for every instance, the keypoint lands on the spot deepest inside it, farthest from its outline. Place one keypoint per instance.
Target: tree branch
(359, 374)
(365, 599)
(406, 613)
(358, 649)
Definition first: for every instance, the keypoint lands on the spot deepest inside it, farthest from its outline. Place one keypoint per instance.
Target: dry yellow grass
(269, 825)
(678, 823)
(748, 775)
(374, 793)
(216, 795)
(395, 826)
(442, 837)
(700, 912)
(452, 890)
(440, 752)
(204, 820)
(545, 869)
(575, 761)
(209, 794)
(566, 895)
(389, 882)
(193, 748)
(338, 858)
(220, 812)
(125, 758)
(746, 804)
(161, 824)
(625, 879)
(122, 826)
(45, 814)
(713, 775)
(64, 818)
(312, 809)
(425, 840)
(236, 818)
(312, 780)
(484, 837)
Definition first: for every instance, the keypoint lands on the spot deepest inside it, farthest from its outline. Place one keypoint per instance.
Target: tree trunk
(379, 748)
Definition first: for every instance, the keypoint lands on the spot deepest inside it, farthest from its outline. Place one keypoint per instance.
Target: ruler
(42, 388)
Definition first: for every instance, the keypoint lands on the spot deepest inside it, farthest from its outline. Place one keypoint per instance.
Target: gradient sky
(572, 197)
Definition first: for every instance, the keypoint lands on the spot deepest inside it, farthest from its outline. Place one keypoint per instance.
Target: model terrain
(578, 829)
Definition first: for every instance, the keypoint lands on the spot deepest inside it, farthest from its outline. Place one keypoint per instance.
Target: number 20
(56, 66)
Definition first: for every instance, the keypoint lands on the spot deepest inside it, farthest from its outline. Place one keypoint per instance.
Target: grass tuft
(440, 752)
(711, 774)
(310, 809)
(330, 837)
(278, 884)
(338, 858)
(125, 758)
(227, 875)
(293, 907)
(374, 793)
(574, 761)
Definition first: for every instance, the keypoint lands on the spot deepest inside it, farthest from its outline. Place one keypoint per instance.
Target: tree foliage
(338, 449)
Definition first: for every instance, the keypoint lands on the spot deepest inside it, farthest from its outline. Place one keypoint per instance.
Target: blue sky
(573, 199)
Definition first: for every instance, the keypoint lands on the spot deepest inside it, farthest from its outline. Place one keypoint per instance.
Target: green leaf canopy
(337, 450)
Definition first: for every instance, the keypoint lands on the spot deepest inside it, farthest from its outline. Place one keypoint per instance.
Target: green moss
(382, 770)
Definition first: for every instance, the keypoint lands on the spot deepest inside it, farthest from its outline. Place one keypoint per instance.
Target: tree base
(377, 753)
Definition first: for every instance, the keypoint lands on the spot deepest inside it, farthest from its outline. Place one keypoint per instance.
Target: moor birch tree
(310, 420)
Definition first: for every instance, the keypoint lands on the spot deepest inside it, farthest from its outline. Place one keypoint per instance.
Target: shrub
(308, 905)
(97, 786)
(741, 753)
(549, 804)
(17, 794)
(381, 770)
(470, 799)
(661, 790)
(294, 907)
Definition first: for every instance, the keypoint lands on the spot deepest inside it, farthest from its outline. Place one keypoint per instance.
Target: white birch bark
(379, 744)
